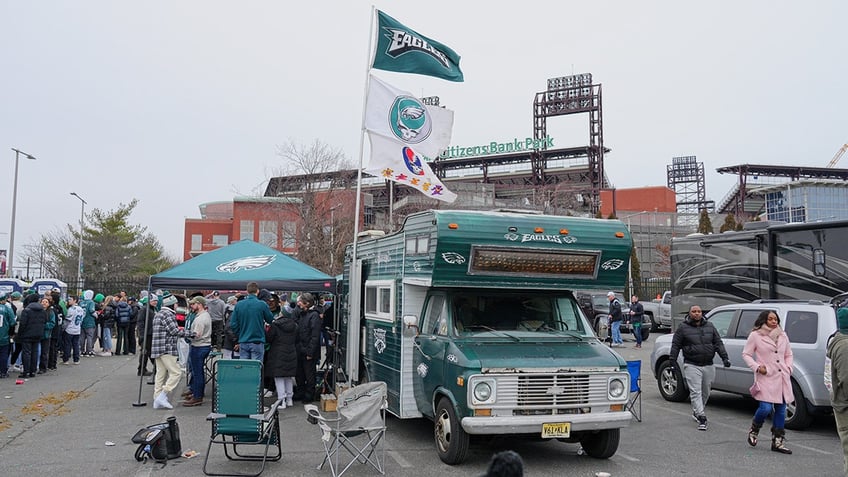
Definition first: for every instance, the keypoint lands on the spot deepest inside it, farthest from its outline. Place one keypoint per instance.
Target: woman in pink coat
(772, 369)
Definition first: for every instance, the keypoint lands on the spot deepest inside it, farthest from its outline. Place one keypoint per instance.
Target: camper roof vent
(370, 234)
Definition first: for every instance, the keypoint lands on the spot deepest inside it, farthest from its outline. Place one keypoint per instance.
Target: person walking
(837, 351)
(615, 319)
(637, 312)
(768, 354)
(201, 346)
(164, 351)
(72, 328)
(699, 340)
(248, 323)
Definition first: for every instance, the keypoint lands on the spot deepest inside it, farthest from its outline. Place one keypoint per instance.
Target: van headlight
(483, 391)
(616, 388)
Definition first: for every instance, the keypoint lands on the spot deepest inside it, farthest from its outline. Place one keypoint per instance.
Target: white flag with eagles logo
(403, 132)
(401, 116)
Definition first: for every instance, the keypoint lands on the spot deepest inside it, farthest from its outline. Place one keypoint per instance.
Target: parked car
(808, 325)
(659, 312)
(595, 306)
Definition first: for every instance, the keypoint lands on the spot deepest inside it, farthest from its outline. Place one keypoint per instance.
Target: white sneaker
(281, 404)
(161, 401)
(289, 402)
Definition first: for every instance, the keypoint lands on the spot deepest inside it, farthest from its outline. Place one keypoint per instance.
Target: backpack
(159, 441)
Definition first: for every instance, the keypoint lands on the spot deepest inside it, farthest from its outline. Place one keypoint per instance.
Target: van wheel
(601, 444)
(670, 383)
(451, 439)
(797, 415)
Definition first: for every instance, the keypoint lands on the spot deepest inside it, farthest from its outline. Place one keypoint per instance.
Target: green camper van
(470, 319)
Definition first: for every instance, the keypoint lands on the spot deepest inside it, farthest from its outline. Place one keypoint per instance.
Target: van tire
(671, 383)
(601, 444)
(797, 415)
(451, 440)
(654, 325)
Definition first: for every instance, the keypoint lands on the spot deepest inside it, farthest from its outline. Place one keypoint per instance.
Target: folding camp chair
(634, 402)
(237, 414)
(359, 427)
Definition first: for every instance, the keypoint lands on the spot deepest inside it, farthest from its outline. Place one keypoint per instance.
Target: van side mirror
(411, 321)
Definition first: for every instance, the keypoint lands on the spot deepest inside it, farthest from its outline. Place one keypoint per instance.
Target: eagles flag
(402, 49)
(403, 132)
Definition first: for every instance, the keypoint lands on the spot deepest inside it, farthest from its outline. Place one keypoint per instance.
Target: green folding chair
(237, 415)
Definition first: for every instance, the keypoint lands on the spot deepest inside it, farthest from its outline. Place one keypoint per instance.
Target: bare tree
(324, 215)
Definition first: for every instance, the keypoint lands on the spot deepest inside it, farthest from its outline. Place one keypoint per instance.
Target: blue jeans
(637, 332)
(107, 339)
(252, 351)
(196, 357)
(765, 409)
(616, 332)
(71, 344)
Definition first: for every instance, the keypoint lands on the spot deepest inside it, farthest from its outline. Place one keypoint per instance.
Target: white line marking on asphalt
(400, 460)
(626, 457)
(795, 444)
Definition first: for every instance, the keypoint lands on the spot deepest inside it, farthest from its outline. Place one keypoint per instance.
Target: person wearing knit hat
(837, 351)
(164, 351)
(89, 323)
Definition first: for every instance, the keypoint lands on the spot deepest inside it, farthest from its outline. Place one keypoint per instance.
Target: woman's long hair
(762, 318)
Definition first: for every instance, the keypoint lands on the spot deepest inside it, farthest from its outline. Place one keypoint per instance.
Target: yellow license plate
(556, 429)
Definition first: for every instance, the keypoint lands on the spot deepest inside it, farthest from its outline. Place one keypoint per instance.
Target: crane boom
(836, 156)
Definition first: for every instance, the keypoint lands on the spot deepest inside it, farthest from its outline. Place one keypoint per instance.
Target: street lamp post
(630, 262)
(79, 260)
(11, 256)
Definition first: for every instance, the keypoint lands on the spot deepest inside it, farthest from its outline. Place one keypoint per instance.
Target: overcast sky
(176, 103)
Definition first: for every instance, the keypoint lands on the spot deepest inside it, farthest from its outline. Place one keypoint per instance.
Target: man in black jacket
(699, 340)
(30, 333)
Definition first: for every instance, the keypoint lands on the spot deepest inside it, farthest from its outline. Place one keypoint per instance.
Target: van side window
(436, 320)
(801, 326)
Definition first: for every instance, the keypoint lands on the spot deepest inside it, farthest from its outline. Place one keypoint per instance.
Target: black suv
(595, 306)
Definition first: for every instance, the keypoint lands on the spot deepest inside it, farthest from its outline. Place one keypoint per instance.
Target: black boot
(778, 441)
(753, 433)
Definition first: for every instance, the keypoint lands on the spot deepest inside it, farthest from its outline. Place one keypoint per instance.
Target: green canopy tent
(234, 266)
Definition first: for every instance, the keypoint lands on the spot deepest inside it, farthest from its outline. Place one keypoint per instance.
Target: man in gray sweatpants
(699, 340)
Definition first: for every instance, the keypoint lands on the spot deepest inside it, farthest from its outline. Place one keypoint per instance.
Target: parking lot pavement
(61, 423)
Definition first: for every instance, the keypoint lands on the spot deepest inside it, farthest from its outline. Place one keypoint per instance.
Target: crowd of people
(170, 334)
(37, 331)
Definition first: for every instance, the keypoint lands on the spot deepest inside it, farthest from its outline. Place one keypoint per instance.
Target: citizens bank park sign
(516, 145)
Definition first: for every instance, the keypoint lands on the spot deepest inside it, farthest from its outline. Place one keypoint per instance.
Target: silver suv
(808, 325)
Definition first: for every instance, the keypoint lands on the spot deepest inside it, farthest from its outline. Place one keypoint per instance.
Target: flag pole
(352, 365)
(362, 133)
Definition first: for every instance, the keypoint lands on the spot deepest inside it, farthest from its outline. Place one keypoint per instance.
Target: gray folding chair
(359, 428)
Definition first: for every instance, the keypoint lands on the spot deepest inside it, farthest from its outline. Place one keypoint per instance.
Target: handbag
(755, 388)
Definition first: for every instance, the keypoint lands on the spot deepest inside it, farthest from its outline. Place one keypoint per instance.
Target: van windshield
(476, 312)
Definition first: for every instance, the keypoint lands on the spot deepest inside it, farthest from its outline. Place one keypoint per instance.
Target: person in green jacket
(7, 324)
(248, 323)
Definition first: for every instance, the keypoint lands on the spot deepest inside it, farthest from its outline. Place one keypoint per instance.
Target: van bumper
(533, 424)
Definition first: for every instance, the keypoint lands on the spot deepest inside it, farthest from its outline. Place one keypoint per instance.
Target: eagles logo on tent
(246, 263)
